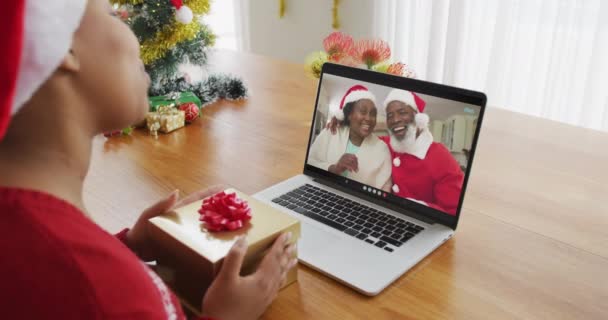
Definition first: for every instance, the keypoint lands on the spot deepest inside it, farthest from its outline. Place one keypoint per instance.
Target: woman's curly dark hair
(347, 110)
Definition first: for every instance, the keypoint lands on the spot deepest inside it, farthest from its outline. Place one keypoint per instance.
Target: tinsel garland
(168, 38)
(216, 86)
(199, 7)
(123, 2)
(166, 44)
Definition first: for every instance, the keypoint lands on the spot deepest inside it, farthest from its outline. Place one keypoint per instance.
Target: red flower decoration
(191, 111)
(371, 52)
(396, 69)
(338, 45)
(224, 212)
(349, 61)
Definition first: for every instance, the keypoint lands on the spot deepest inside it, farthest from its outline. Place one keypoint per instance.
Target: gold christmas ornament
(335, 14)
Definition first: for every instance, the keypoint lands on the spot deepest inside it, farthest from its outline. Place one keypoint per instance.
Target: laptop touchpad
(314, 240)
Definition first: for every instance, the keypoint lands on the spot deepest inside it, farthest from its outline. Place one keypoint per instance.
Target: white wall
(305, 24)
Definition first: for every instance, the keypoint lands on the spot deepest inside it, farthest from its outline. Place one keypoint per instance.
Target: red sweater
(437, 179)
(57, 264)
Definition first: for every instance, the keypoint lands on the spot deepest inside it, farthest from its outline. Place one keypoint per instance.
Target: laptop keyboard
(362, 222)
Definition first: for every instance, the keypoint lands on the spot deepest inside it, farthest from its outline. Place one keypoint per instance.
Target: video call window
(410, 145)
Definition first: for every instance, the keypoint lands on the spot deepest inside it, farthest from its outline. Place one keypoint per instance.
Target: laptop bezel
(403, 206)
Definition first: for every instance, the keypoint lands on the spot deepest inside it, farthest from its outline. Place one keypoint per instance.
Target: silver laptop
(366, 225)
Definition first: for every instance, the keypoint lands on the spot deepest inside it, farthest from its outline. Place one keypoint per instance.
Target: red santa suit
(431, 175)
(425, 171)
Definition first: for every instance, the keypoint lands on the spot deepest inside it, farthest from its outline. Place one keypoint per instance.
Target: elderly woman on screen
(355, 151)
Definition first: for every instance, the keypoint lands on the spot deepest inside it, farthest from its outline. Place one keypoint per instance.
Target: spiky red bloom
(371, 52)
(396, 69)
(338, 45)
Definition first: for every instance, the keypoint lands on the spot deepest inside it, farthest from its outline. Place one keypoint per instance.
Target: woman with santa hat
(355, 151)
(70, 70)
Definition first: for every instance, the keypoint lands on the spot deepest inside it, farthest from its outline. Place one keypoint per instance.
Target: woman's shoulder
(59, 247)
(344, 130)
(326, 134)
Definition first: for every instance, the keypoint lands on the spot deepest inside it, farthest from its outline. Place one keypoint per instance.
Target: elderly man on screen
(422, 170)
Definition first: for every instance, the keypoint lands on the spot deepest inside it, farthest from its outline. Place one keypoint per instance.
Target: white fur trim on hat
(48, 32)
(422, 120)
(401, 95)
(352, 97)
(338, 114)
(359, 95)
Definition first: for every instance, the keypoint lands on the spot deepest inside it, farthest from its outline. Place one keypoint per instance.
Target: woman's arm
(318, 151)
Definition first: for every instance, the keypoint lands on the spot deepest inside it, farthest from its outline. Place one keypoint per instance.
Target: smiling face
(398, 117)
(362, 119)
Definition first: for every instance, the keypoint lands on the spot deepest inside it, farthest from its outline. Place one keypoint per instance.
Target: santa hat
(37, 36)
(412, 100)
(355, 93)
(183, 13)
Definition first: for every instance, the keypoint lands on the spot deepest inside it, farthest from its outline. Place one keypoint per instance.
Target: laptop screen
(396, 140)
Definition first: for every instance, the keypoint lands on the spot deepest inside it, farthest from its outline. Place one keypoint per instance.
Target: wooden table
(532, 241)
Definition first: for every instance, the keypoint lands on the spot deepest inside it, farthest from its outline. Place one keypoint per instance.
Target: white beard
(409, 141)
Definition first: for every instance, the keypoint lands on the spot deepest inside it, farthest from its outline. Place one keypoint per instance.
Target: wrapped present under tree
(165, 120)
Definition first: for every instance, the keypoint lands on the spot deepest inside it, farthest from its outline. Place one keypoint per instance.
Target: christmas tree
(171, 34)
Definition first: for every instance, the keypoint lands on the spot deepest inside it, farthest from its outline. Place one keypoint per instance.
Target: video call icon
(374, 191)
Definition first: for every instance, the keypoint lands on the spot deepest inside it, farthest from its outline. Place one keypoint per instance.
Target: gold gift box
(193, 256)
(165, 120)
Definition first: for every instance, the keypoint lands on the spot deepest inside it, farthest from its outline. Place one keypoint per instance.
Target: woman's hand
(232, 297)
(348, 162)
(138, 239)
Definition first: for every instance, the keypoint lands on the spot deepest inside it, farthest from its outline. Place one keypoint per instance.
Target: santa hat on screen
(412, 100)
(36, 37)
(354, 93)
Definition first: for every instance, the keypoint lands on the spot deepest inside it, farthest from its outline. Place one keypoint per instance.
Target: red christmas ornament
(224, 212)
(191, 110)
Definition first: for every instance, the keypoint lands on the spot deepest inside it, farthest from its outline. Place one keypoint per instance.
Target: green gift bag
(174, 98)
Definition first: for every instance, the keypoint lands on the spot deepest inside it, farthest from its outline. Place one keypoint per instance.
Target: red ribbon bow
(224, 212)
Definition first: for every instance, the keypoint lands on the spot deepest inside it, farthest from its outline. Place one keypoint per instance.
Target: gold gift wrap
(193, 256)
(166, 119)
